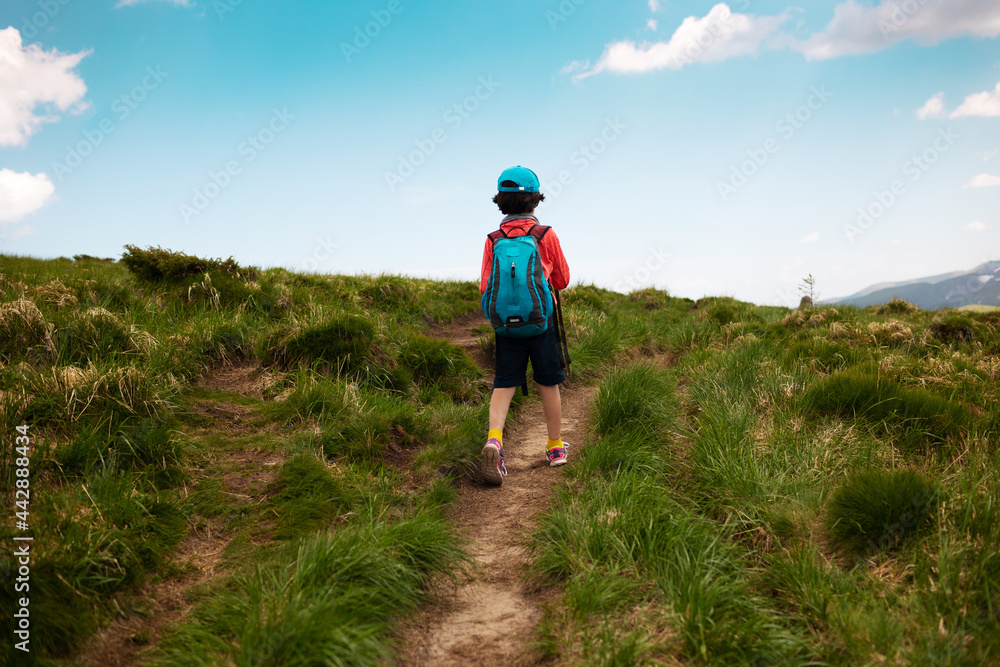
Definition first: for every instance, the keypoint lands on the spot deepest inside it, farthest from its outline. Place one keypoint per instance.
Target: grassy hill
(806, 488)
(231, 465)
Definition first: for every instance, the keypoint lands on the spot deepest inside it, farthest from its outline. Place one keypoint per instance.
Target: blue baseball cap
(525, 179)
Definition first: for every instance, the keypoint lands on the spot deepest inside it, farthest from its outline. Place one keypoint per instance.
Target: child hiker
(522, 263)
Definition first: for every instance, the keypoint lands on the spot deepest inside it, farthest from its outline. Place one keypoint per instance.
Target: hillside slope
(231, 465)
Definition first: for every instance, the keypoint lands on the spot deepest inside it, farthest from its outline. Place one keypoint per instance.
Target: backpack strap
(536, 230)
(495, 236)
(539, 231)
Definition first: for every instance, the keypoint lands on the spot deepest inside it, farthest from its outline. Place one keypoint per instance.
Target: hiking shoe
(493, 468)
(557, 455)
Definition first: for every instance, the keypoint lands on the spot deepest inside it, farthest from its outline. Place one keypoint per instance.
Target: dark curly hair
(515, 203)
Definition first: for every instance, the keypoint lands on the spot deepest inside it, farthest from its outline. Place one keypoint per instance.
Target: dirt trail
(125, 640)
(490, 619)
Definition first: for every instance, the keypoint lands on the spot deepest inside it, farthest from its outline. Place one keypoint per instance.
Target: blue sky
(707, 149)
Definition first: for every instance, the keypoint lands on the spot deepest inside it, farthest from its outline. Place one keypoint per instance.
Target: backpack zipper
(513, 281)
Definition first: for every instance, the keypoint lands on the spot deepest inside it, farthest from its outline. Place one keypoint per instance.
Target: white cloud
(983, 181)
(985, 104)
(933, 108)
(855, 28)
(576, 66)
(126, 3)
(859, 28)
(29, 77)
(988, 155)
(976, 226)
(718, 35)
(22, 194)
(811, 238)
(23, 230)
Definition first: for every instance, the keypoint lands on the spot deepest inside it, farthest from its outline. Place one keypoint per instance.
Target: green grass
(147, 444)
(344, 341)
(876, 510)
(918, 415)
(800, 488)
(101, 359)
(101, 539)
(311, 395)
(380, 420)
(437, 363)
(307, 496)
(746, 495)
(331, 599)
(638, 398)
(625, 546)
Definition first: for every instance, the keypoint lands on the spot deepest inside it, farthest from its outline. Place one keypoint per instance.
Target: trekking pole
(562, 331)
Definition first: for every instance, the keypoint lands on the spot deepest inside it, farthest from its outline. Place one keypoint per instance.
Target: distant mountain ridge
(980, 286)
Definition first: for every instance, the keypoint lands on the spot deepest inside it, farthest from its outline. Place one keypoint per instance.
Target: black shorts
(511, 361)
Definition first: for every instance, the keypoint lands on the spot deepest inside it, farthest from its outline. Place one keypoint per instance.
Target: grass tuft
(159, 264)
(439, 363)
(381, 419)
(877, 510)
(953, 328)
(343, 341)
(920, 414)
(23, 329)
(637, 398)
(308, 496)
(897, 306)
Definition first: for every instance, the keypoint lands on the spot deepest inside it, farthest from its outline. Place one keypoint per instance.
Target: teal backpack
(518, 301)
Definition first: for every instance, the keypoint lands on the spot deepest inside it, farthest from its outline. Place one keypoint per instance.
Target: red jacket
(553, 261)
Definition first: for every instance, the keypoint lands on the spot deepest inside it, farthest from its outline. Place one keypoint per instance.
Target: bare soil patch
(461, 331)
(252, 471)
(247, 378)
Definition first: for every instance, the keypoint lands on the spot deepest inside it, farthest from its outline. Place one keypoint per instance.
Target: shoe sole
(491, 465)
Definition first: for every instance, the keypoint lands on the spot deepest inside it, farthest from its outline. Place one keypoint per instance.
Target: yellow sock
(496, 433)
(553, 443)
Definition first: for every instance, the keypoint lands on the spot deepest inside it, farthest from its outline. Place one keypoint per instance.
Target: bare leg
(499, 405)
(552, 406)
